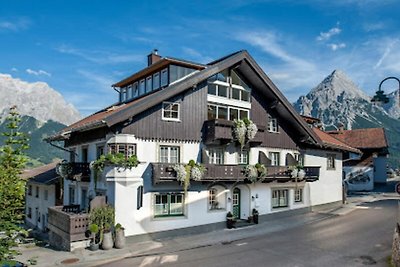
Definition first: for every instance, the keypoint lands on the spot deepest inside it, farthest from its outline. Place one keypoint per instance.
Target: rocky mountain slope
(37, 100)
(338, 100)
(44, 112)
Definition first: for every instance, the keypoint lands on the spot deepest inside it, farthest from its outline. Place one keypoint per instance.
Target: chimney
(153, 57)
(340, 127)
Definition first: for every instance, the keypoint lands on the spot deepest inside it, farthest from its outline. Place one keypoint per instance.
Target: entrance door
(236, 203)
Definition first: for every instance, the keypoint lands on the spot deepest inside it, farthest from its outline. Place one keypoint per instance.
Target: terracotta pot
(120, 238)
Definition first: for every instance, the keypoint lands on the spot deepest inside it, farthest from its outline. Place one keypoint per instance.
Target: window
(123, 94)
(127, 149)
(37, 214)
(139, 200)
(169, 204)
(99, 150)
(135, 90)
(212, 198)
(299, 158)
(29, 190)
(170, 111)
(29, 213)
(156, 80)
(129, 92)
(37, 191)
(169, 154)
(46, 194)
(84, 154)
(330, 165)
(71, 195)
(142, 87)
(227, 86)
(298, 195)
(164, 77)
(149, 84)
(272, 125)
(279, 198)
(243, 157)
(274, 157)
(225, 113)
(216, 156)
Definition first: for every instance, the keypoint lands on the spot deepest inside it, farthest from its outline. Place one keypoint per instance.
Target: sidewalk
(48, 257)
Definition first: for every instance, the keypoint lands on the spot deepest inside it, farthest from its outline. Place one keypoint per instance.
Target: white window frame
(280, 198)
(330, 162)
(298, 195)
(168, 206)
(169, 157)
(275, 158)
(229, 108)
(299, 158)
(272, 125)
(243, 157)
(164, 104)
(214, 158)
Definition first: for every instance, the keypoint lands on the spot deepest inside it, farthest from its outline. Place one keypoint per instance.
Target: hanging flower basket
(64, 169)
(243, 131)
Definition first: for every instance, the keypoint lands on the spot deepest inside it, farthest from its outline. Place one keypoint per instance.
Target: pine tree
(12, 186)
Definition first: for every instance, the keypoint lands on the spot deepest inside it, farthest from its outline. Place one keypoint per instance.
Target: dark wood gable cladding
(193, 112)
(259, 114)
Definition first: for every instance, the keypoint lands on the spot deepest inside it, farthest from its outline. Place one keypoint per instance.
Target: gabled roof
(371, 138)
(241, 60)
(331, 142)
(42, 175)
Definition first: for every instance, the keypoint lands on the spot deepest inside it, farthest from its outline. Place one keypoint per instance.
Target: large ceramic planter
(107, 241)
(120, 238)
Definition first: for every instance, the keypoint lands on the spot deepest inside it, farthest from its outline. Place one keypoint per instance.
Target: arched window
(217, 198)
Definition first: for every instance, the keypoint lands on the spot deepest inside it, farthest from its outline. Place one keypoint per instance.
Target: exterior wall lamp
(380, 97)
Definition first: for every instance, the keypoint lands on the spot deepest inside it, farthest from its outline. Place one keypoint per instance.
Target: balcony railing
(68, 222)
(219, 131)
(164, 172)
(80, 171)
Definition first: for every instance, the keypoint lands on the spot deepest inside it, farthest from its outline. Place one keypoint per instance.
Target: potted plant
(255, 216)
(94, 230)
(230, 220)
(119, 236)
(104, 218)
(107, 242)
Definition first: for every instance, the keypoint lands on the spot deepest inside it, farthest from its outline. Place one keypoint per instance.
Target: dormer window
(129, 92)
(170, 111)
(149, 84)
(142, 87)
(156, 81)
(135, 90)
(164, 77)
(229, 85)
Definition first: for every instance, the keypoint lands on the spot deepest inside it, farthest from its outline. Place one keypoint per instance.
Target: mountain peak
(35, 99)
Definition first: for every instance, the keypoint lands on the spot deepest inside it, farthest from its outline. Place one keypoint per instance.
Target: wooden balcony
(80, 171)
(68, 222)
(220, 132)
(164, 172)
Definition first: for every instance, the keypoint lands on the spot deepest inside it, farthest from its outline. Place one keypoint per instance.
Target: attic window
(272, 124)
(170, 111)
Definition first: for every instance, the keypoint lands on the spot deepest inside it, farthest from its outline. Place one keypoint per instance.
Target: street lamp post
(380, 96)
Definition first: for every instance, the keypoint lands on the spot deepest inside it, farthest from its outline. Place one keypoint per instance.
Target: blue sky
(81, 47)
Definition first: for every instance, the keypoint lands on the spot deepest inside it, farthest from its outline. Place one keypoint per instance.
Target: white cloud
(196, 55)
(14, 69)
(325, 36)
(38, 72)
(335, 47)
(14, 25)
(101, 57)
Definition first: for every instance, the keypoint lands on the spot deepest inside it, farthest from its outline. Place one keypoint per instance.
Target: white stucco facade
(121, 186)
(38, 198)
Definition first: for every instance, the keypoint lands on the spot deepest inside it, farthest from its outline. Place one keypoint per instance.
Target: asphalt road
(361, 238)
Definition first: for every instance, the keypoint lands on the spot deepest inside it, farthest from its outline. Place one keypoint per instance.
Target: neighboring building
(174, 111)
(43, 190)
(361, 173)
